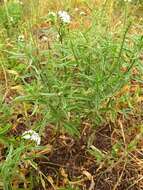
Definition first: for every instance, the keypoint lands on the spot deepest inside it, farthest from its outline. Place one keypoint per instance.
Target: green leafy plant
(64, 78)
(10, 14)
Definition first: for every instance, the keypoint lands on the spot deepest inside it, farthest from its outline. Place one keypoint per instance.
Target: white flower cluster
(32, 135)
(64, 16)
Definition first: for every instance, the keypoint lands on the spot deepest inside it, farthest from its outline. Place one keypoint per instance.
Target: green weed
(60, 76)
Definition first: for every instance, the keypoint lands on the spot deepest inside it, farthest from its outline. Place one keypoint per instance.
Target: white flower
(57, 36)
(21, 38)
(82, 13)
(64, 16)
(76, 9)
(11, 19)
(32, 135)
